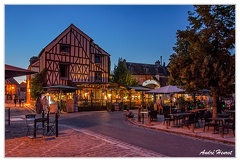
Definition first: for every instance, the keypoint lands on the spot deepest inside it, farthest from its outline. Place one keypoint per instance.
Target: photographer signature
(215, 152)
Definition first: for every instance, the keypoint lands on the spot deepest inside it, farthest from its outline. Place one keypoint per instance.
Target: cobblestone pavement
(74, 142)
(71, 142)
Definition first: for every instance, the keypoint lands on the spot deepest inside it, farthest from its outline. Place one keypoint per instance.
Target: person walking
(39, 107)
(15, 101)
(20, 102)
(45, 103)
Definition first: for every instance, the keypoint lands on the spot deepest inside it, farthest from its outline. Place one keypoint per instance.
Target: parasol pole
(170, 103)
(60, 99)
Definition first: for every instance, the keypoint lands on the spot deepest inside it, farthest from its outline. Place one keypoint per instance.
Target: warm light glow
(12, 87)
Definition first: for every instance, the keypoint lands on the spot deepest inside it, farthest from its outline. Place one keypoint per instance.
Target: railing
(8, 115)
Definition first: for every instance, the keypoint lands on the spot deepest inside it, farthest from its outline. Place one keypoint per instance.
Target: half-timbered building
(73, 59)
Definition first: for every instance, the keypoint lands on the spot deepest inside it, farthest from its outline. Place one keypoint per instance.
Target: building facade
(151, 75)
(73, 59)
(12, 90)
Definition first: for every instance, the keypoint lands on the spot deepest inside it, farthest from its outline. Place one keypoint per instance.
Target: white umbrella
(166, 90)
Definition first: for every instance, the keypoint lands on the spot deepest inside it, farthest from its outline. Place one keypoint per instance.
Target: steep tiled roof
(147, 69)
(12, 81)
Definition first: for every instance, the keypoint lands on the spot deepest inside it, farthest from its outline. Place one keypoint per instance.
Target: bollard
(142, 118)
(48, 121)
(139, 115)
(43, 118)
(56, 123)
(149, 120)
(167, 122)
(9, 116)
(192, 127)
(221, 132)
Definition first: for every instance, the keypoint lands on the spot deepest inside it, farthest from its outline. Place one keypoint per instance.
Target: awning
(62, 88)
(139, 88)
(13, 71)
(166, 90)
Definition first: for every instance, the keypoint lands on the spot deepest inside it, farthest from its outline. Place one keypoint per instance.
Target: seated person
(129, 113)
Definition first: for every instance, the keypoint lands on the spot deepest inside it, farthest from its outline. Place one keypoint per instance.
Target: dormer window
(64, 48)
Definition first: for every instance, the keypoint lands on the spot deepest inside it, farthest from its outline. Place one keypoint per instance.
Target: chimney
(157, 63)
(33, 59)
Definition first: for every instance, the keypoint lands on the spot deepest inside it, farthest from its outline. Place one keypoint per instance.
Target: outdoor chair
(190, 120)
(29, 118)
(229, 124)
(209, 123)
(152, 114)
(168, 117)
(196, 119)
(51, 125)
(201, 114)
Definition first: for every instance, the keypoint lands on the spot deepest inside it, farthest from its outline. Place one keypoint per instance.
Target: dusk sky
(137, 33)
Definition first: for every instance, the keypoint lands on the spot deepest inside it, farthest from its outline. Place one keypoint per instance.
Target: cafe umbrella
(61, 89)
(167, 90)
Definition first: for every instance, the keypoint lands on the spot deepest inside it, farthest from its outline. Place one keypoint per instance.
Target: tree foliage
(37, 84)
(203, 57)
(122, 75)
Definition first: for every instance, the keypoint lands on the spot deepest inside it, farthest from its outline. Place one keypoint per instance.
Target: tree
(121, 74)
(37, 84)
(203, 57)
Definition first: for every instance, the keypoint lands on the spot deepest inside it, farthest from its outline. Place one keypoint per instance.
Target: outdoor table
(224, 115)
(219, 120)
(143, 112)
(232, 113)
(177, 115)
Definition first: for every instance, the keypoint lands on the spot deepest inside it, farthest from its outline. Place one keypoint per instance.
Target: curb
(181, 133)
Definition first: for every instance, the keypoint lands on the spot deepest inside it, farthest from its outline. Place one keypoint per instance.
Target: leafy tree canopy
(203, 57)
(37, 84)
(122, 75)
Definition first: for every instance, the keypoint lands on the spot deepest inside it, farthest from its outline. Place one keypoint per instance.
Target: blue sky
(137, 33)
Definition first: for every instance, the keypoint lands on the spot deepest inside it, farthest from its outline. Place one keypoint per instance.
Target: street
(112, 130)
(113, 124)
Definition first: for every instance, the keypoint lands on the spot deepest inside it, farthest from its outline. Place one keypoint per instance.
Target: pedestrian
(19, 102)
(160, 105)
(15, 101)
(45, 103)
(39, 107)
(22, 101)
(129, 113)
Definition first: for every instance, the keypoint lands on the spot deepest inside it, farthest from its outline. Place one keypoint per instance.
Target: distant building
(12, 89)
(151, 75)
